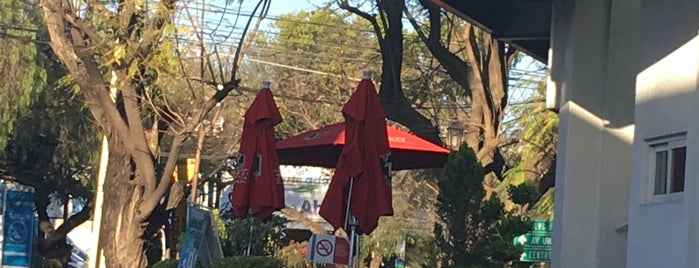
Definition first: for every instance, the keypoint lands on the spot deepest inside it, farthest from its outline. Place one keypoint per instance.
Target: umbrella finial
(266, 84)
(366, 75)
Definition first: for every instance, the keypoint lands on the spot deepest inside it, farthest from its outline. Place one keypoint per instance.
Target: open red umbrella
(258, 188)
(322, 147)
(363, 168)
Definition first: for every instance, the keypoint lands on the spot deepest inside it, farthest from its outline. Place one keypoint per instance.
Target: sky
(279, 7)
(215, 19)
(286, 6)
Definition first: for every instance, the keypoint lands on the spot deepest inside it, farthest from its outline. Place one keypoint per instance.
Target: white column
(593, 70)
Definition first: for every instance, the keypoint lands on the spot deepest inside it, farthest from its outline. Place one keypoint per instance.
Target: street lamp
(455, 133)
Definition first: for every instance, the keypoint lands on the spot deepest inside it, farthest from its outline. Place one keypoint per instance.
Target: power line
(282, 95)
(349, 53)
(219, 10)
(296, 39)
(301, 69)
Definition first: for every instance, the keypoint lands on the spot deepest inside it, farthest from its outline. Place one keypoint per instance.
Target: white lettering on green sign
(533, 240)
(540, 240)
(536, 255)
(542, 225)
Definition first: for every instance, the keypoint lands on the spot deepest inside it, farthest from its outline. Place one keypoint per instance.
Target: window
(668, 162)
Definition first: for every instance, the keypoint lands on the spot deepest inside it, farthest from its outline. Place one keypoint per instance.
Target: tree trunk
(121, 233)
(482, 72)
(390, 39)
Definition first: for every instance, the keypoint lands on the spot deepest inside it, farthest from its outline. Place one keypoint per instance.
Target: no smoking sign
(328, 249)
(324, 247)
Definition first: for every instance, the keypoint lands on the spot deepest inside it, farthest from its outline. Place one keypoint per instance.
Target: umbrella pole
(354, 239)
(249, 241)
(247, 253)
(352, 222)
(349, 200)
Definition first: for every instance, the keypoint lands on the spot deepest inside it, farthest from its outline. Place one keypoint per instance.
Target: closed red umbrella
(363, 168)
(258, 187)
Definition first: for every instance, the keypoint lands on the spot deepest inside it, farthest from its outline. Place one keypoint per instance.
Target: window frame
(665, 144)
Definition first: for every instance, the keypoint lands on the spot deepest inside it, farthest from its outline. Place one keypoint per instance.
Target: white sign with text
(305, 188)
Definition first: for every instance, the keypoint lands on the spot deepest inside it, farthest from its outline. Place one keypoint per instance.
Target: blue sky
(279, 7)
(286, 6)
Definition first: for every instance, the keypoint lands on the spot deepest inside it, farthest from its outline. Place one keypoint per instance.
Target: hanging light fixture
(455, 133)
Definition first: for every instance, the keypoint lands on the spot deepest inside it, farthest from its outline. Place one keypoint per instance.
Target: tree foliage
(262, 238)
(48, 140)
(314, 58)
(23, 67)
(53, 148)
(472, 231)
(532, 156)
(413, 205)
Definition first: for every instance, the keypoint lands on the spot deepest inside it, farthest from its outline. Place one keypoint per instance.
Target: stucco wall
(624, 72)
(664, 233)
(593, 67)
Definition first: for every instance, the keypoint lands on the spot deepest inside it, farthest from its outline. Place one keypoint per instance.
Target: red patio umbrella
(258, 189)
(363, 168)
(322, 147)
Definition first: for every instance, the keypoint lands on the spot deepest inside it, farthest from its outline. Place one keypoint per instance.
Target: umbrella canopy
(258, 187)
(322, 147)
(363, 168)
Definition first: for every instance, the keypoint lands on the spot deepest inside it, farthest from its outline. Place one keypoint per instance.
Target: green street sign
(544, 226)
(530, 239)
(537, 242)
(536, 255)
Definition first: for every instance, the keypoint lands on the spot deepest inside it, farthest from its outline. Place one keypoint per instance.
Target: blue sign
(18, 227)
(193, 236)
(200, 243)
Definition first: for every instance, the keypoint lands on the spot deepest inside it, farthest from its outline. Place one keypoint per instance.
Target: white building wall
(593, 67)
(664, 231)
(624, 72)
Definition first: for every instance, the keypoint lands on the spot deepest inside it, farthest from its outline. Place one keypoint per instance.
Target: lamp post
(455, 133)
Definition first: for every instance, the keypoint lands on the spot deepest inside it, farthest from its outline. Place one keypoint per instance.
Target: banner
(305, 188)
(201, 243)
(18, 229)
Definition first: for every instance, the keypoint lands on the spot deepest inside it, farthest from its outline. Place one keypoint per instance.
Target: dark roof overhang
(524, 24)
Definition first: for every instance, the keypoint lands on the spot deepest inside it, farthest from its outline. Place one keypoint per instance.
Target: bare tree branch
(344, 4)
(239, 49)
(154, 199)
(253, 33)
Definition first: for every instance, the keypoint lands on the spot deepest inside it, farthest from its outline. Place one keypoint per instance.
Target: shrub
(236, 261)
(165, 264)
(248, 262)
(264, 239)
(293, 255)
